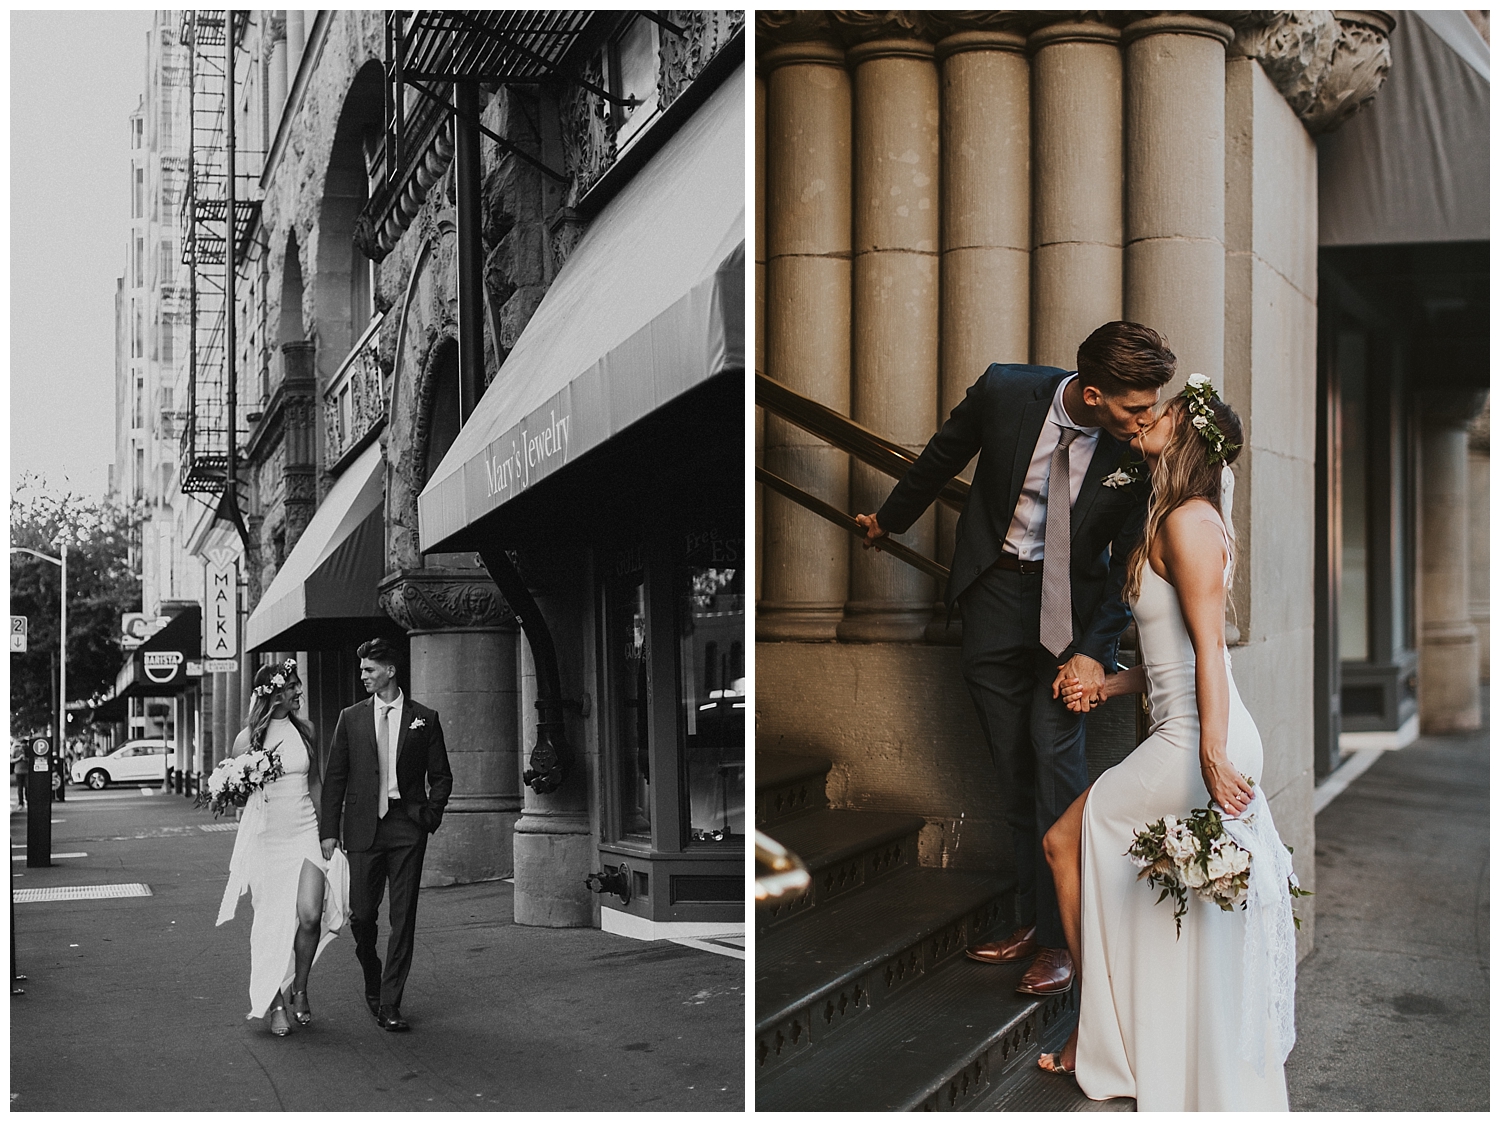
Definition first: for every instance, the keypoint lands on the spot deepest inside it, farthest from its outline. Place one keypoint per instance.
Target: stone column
(223, 739)
(296, 41)
(895, 312)
(805, 561)
(1448, 694)
(463, 664)
(276, 76)
(299, 388)
(760, 309)
(986, 222)
(1479, 535)
(1077, 156)
(1174, 171)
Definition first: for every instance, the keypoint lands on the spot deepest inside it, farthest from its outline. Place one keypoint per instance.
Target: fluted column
(1174, 169)
(1448, 672)
(986, 221)
(805, 561)
(896, 210)
(1078, 175)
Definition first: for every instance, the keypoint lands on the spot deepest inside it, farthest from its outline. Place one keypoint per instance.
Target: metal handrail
(848, 435)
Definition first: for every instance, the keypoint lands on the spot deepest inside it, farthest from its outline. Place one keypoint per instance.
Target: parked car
(135, 761)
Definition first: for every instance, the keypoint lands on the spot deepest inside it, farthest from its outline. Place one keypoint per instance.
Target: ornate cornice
(1326, 64)
(443, 599)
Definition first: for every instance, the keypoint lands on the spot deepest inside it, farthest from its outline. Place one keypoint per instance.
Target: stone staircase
(864, 998)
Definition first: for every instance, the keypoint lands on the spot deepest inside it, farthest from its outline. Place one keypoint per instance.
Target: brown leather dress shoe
(1019, 944)
(1051, 972)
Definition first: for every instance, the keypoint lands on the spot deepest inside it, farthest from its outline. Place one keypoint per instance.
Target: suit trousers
(1037, 744)
(395, 856)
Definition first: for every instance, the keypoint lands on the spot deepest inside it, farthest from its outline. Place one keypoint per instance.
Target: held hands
(1080, 683)
(1226, 786)
(329, 845)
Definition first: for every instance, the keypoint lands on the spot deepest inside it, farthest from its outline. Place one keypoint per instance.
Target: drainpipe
(551, 757)
(466, 174)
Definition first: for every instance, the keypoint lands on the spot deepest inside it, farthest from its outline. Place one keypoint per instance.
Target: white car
(135, 761)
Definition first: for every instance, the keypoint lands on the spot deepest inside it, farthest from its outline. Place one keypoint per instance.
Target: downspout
(551, 756)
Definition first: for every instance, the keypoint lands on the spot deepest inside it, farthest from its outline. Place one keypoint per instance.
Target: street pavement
(1393, 1004)
(140, 1003)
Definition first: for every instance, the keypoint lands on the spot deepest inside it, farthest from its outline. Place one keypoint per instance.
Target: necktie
(383, 747)
(1057, 586)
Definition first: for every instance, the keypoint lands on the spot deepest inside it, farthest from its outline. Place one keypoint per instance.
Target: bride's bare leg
(1063, 845)
(309, 923)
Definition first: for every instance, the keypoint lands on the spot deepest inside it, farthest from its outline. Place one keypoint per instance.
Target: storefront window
(629, 658)
(711, 615)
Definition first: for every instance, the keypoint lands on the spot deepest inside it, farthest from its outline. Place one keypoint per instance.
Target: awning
(325, 590)
(183, 633)
(1414, 164)
(649, 304)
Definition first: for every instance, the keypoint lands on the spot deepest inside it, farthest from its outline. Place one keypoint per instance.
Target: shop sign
(221, 617)
(528, 453)
(137, 627)
(220, 665)
(161, 666)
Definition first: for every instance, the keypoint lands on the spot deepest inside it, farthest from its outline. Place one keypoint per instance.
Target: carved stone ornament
(1327, 64)
(439, 599)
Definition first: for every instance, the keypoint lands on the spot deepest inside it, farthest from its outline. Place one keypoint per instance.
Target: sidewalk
(1393, 1005)
(139, 1003)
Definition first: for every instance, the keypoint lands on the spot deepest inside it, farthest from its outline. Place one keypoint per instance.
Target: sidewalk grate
(219, 827)
(80, 892)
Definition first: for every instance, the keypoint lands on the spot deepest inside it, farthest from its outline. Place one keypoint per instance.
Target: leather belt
(1016, 565)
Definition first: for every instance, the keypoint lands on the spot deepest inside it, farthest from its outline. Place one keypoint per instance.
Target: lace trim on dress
(1270, 970)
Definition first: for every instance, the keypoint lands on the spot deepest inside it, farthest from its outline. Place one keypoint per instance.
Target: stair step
(787, 785)
(844, 850)
(1037, 1090)
(958, 1039)
(846, 962)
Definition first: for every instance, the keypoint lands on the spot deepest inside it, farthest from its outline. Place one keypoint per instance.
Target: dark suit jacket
(351, 780)
(1000, 419)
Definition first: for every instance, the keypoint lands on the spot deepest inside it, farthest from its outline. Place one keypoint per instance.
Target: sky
(75, 77)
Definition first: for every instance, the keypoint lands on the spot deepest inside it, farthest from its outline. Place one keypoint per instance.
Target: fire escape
(215, 424)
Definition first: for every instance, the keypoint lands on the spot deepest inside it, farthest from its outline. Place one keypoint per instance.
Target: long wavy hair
(1183, 472)
(259, 720)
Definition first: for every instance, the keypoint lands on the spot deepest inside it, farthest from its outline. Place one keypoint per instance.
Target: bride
(278, 858)
(1201, 1021)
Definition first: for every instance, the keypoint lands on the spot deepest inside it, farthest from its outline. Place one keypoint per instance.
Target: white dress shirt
(392, 714)
(1028, 525)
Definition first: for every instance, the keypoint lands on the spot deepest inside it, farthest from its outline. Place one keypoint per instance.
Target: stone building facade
(944, 191)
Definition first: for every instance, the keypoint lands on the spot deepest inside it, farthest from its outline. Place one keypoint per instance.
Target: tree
(102, 585)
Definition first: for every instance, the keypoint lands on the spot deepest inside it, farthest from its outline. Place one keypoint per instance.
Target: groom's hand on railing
(873, 532)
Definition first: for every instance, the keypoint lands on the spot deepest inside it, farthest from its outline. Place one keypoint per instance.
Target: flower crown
(279, 679)
(1198, 392)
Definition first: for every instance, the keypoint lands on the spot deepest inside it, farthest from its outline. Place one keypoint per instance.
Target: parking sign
(17, 634)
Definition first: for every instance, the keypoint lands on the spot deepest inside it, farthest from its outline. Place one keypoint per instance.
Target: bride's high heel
(280, 1026)
(301, 1010)
(1051, 1062)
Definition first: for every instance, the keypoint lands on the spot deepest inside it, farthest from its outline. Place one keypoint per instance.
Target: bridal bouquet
(237, 778)
(1197, 853)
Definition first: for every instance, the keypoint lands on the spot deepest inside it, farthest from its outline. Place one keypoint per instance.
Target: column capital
(804, 52)
(980, 40)
(891, 48)
(1072, 31)
(443, 599)
(1177, 24)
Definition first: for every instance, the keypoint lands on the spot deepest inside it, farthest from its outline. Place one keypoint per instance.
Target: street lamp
(62, 642)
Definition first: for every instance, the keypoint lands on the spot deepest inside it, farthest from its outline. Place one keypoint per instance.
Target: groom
(387, 781)
(1039, 581)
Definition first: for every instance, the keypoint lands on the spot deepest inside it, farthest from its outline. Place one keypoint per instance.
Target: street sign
(17, 634)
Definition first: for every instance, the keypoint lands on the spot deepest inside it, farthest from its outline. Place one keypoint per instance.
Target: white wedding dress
(278, 834)
(1164, 1019)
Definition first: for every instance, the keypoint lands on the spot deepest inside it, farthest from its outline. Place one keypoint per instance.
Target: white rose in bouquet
(1193, 875)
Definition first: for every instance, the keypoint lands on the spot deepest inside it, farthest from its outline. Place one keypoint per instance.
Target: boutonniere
(1127, 473)
(416, 723)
